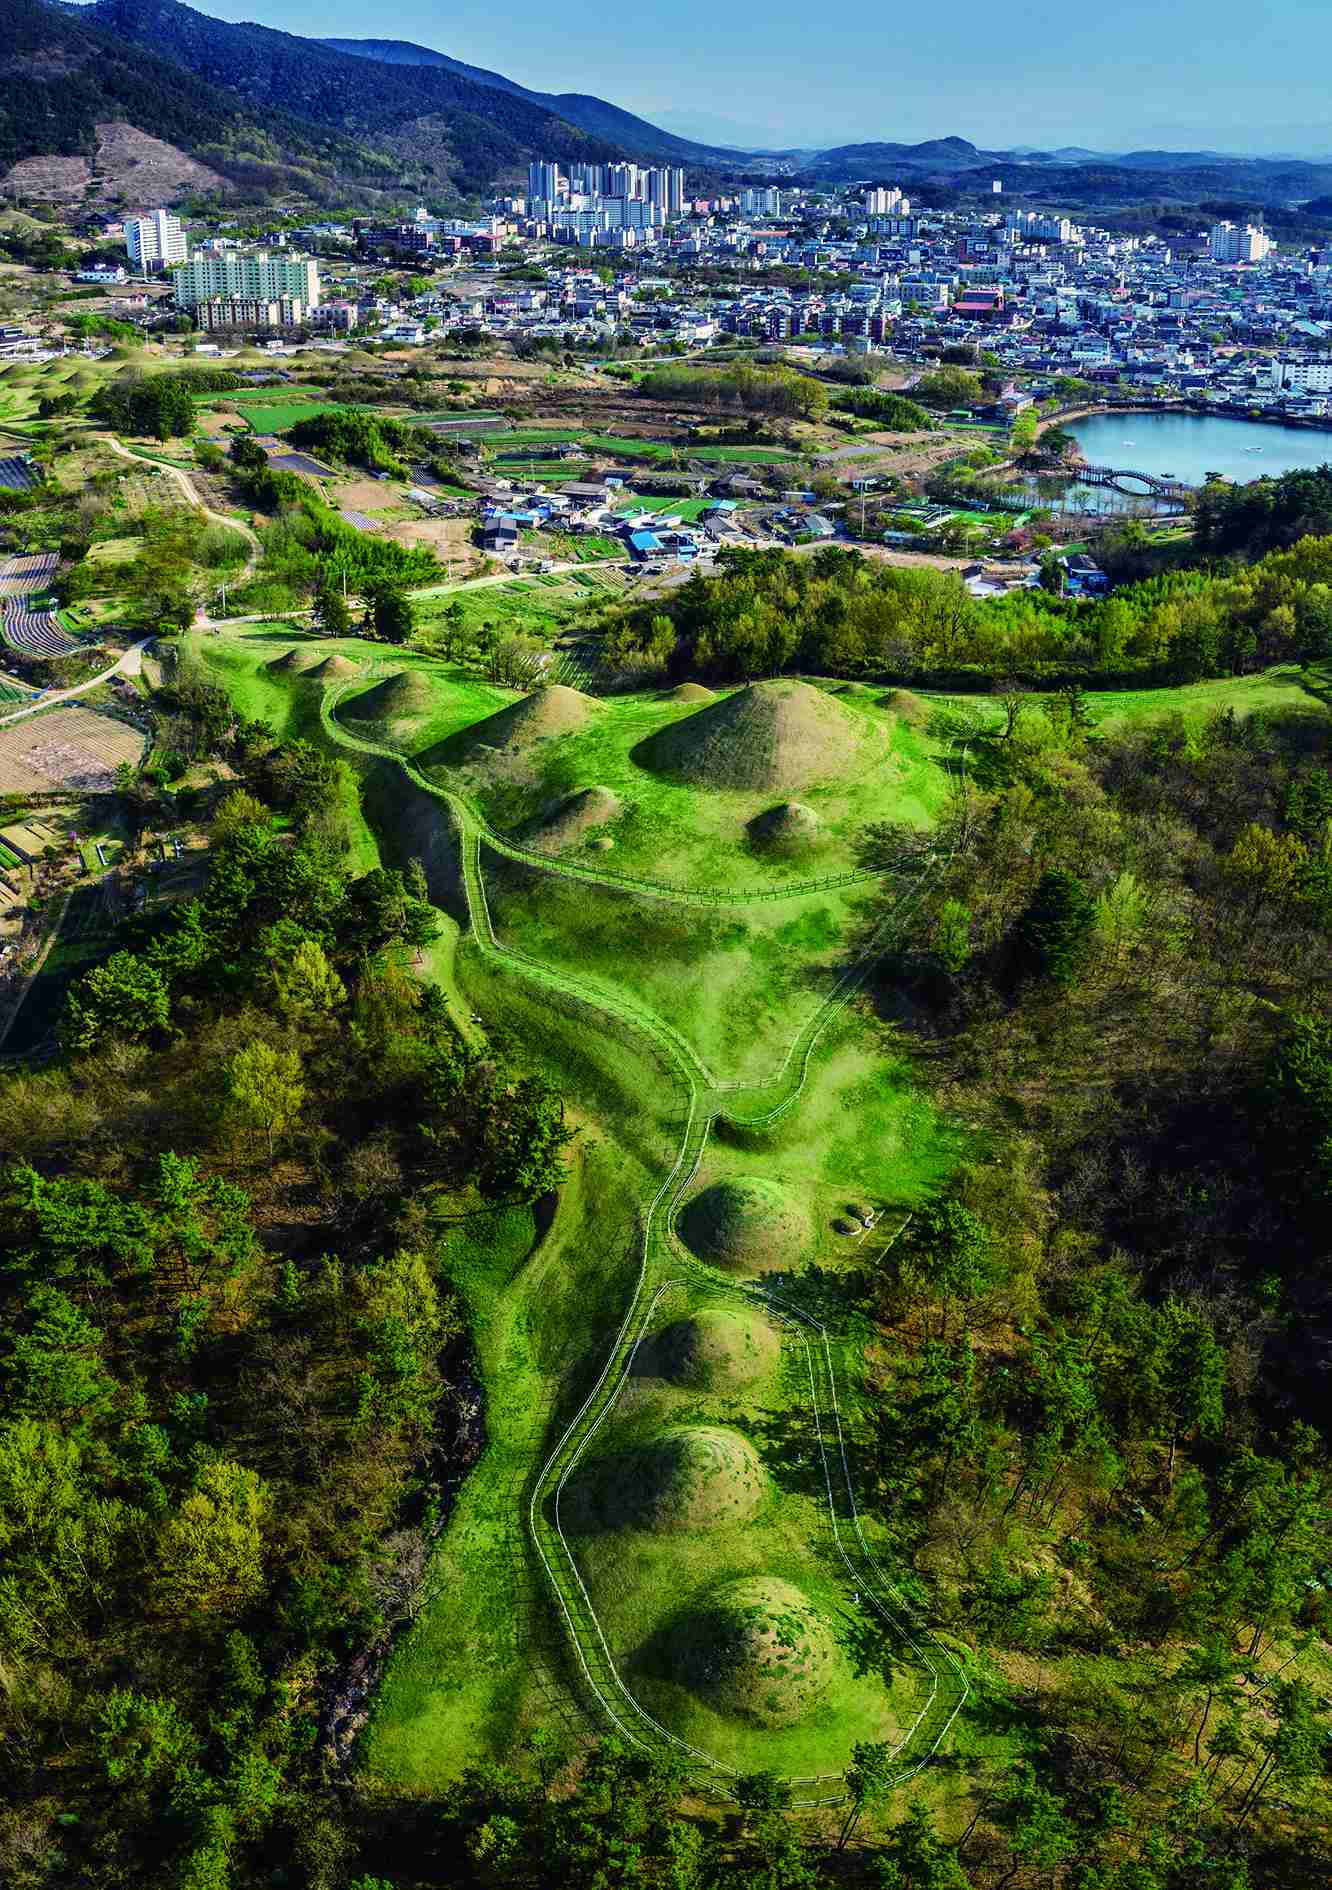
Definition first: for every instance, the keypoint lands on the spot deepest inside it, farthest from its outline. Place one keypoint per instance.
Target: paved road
(128, 663)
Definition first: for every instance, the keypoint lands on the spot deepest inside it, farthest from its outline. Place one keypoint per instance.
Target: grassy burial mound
(334, 669)
(690, 692)
(389, 710)
(786, 830)
(758, 1649)
(747, 1225)
(548, 712)
(298, 661)
(779, 735)
(694, 1476)
(907, 707)
(715, 1350)
(571, 820)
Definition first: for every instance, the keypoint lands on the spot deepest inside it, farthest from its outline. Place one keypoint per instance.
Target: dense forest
(838, 613)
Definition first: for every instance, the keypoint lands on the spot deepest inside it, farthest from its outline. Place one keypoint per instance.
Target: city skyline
(1206, 82)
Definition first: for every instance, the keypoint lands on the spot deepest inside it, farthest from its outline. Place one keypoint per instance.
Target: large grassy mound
(756, 1648)
(907, 706)
(748, 1224)
(567, 823)
(402, 698)
(781, 735)
(787, 829)
(691, 692)
(553, 710)
(694, 1476)
(715, 1350)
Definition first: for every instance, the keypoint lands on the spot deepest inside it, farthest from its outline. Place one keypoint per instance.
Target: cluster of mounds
(571, 820)
(552, 710)
(392, 707)
(305, 663)
(747, 1225)
(714, 1350)
(781, 735)
(786, 830)
(693, 1476)
(756, 1648)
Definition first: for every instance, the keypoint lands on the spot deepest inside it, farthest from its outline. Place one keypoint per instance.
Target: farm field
(67, 746)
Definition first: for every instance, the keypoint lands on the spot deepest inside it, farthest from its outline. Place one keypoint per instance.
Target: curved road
(128, 663)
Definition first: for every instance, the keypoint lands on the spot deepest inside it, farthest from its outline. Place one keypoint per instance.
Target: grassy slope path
(707, 1100)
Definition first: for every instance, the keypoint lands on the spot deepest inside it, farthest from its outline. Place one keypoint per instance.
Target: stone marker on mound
(756, 1648)
(790, 827)
(715, 1350)
(402, 697)
(565, 824)
(770, 735)
(691, 692)
(553, 710)
(694, 1476)
(748, 1225)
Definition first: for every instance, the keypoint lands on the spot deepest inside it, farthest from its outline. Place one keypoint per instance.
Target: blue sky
(1221, 74)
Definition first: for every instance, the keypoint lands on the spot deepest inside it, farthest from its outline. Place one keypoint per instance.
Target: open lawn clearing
(535, 612)
(68, 746)
(486, 1661)
(689, 509)
(737, 981)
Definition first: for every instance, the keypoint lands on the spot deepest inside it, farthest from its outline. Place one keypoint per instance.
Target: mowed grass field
(737, 981)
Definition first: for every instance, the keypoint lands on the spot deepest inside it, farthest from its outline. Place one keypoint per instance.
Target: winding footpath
(665, 1266)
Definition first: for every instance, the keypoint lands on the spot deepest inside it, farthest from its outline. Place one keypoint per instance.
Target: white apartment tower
(248, 276)
(154, 241)
(1233, 242)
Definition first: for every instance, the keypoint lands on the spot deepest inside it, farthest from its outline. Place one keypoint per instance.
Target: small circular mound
(715, 1350)
(334, 669)
(566, 823)
(758, 1649)
(690, 692)
(748, 1224)
(790, 827)
(860, 1211)
(907, 707)
(694, 1476)
(843, 1226)
(294, 662)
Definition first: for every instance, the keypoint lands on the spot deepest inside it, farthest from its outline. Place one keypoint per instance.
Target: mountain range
(204, 105)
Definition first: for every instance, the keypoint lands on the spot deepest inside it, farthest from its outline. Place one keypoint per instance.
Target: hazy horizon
(751, 78)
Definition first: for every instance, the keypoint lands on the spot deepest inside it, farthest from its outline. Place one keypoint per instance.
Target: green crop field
(278, 415)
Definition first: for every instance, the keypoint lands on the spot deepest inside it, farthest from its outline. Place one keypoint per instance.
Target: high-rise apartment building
(155, 241)
(883, 203)
(1234, 242)
(765, 201)
(258, 275)
(544, 181)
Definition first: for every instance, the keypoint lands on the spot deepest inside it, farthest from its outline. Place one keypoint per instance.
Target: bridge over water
(1123, 479)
